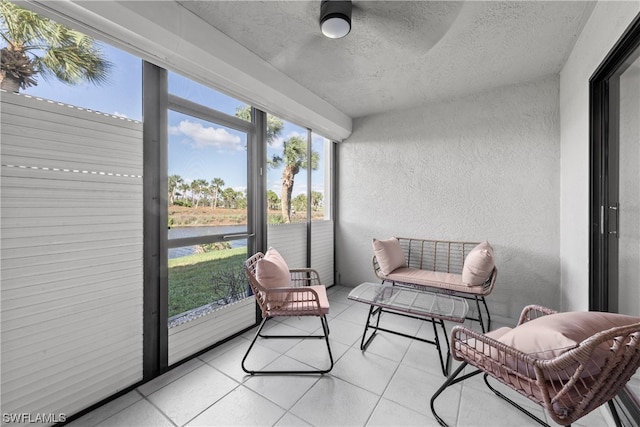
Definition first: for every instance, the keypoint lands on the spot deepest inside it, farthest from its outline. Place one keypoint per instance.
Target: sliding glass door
(615, 190)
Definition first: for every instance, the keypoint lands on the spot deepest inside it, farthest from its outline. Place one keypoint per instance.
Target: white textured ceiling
(400, 54)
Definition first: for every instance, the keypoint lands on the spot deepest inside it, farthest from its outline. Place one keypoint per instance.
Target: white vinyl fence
(71, 256)
(291, 241)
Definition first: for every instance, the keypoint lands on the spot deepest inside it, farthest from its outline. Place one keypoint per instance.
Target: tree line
(201, 192)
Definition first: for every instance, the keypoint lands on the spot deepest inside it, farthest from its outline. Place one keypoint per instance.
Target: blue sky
(197, 149)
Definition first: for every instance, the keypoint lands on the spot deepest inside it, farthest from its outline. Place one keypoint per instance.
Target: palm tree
(299, 203)
(229, 196)
(274, 124)
(216, 186)
(174, 182)
(295, 158)
(316, 199)
(198, 186)
(184, 189)
(273, 199)
(36, 45)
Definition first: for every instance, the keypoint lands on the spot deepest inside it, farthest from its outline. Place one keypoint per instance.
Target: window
(321, 193)
(207, 212)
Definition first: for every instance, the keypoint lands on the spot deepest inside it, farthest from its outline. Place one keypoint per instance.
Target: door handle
(616, 209)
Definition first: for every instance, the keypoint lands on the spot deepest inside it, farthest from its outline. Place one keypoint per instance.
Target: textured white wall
(481, 167)
(605, 26)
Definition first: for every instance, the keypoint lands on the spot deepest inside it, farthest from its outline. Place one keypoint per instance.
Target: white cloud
(298, 134)
(277, 143)
(201, 137)
(124, 116)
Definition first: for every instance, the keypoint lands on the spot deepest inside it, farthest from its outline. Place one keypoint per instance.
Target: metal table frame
(413, 303)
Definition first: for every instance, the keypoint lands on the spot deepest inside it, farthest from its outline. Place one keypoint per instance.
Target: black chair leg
(325, 335)
(614, 413)
(451, 380)
(514, 404)
(486, 308)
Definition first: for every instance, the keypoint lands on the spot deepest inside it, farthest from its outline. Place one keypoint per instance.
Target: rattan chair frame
(302, 298)
(568, 386)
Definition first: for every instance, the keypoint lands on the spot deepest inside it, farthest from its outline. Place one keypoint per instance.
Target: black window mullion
(155, 287)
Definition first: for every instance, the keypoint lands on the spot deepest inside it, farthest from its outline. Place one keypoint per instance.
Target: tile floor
(390, 384)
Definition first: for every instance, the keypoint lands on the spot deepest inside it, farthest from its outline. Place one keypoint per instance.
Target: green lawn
(200, 279)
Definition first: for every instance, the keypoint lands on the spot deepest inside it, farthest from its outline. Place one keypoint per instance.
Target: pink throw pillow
(549, 336)
(389, 254)
(272, 271)
(478, 265)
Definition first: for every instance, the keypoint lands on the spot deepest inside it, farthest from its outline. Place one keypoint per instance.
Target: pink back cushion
(272, 271)
(389, 254)
(549, 336)
(478, 265)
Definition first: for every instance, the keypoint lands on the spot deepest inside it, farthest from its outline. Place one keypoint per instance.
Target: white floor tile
(290, 420)
(413, 388)
(107, 410)
(336, 308)
(241, 407)
(230, 363)
(284, 390)
(388, 345)
(479, 407)
(424, 356)
(333, 402)
(347, 333)
(391, 414)
(191, 394)
(365, 370)
(140, 414)
(314, 352)
(171, 376)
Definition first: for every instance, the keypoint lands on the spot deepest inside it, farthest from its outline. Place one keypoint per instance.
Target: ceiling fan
(430, 18)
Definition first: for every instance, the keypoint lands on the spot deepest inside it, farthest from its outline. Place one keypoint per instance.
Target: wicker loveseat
(466, 269)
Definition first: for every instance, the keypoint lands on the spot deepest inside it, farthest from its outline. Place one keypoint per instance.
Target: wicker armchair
(569, 385)
(301, 295)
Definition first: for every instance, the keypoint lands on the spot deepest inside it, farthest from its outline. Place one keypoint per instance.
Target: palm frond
(54, 49)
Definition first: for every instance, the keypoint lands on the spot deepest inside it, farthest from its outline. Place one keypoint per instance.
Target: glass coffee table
(414, 303)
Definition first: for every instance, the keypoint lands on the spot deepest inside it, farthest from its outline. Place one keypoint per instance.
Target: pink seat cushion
(389, 254)
(433, 279)
(299, 302)
(478, 265)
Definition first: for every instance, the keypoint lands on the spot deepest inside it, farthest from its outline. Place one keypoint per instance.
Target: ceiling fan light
(335, 18)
